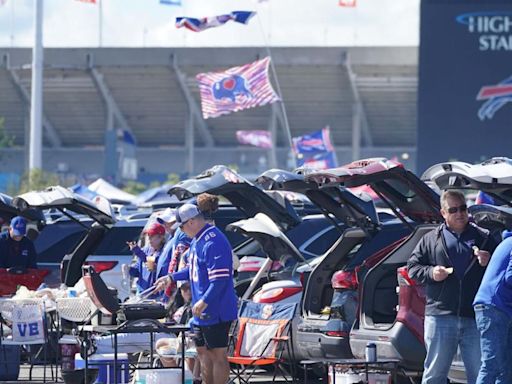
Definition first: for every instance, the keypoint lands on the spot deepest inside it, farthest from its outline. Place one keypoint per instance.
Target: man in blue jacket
(214, 302)
(16, 250)
(493, 312)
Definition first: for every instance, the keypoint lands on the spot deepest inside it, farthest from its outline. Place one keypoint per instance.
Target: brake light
(344, 280)
(337, 333)
(404, 278)
(275, 294)
(101, 266)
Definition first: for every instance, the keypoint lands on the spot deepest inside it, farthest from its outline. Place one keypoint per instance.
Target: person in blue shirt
(173, 250)
(16, 250)
(147, 258)
(493, 313)
(214, 302)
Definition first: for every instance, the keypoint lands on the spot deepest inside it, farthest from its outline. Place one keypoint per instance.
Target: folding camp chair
(262, 337)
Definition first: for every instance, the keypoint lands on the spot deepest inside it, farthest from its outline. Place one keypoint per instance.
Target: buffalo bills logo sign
(230, 87)
(496, 96)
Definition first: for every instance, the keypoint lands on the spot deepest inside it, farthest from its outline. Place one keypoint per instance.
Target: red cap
(155, 229)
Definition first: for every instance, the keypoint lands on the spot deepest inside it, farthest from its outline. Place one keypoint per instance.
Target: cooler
(9, 362)
(359, 376)
(105, 364)
(162, 375)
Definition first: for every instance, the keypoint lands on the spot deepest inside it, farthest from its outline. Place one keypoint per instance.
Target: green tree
(134, 187)
(172, 178)
(37, 180)
(6, 140)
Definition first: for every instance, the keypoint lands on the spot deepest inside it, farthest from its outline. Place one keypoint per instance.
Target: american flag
(2, 2)
(257, 138)
(236, 89)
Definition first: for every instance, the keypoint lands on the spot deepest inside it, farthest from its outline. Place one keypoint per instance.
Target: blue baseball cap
(19, 226)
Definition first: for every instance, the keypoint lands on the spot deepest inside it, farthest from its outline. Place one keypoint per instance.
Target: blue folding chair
(262, 336)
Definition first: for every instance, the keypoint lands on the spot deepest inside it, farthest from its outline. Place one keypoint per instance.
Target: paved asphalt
(38, 372)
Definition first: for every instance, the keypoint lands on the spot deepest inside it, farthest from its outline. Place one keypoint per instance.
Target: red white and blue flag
(323, 160)
(256, 138)
(171, 2)
(199, 25)
(347, 3)
(318, 141)
(236, 89)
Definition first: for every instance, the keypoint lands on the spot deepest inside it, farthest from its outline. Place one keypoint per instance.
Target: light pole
(36, 104)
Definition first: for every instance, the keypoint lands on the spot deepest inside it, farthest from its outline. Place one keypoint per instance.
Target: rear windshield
(114, 242)
(57, 240)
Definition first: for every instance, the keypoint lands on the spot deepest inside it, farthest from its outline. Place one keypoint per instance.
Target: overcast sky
(136, 23)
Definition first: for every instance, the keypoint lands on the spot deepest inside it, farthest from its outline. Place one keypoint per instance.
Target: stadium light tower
(36, 104)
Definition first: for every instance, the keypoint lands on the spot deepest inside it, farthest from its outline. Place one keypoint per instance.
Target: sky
(147, 23)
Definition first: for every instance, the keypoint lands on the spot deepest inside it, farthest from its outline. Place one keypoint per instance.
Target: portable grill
(106, 300)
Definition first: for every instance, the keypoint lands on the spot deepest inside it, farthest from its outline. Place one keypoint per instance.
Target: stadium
(152, 94)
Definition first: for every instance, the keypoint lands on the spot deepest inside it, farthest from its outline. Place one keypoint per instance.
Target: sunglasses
(183, 224)
(461, 208)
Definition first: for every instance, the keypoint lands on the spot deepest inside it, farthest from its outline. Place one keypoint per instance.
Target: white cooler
(162, 375)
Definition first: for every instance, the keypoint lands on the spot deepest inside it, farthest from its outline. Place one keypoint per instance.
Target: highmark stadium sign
(465, 81)
(493, 29)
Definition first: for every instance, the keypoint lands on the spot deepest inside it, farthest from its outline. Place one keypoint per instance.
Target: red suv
(392, 305)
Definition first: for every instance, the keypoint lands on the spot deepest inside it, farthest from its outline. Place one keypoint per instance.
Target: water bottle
(371, 352)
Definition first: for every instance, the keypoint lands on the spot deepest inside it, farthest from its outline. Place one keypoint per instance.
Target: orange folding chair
(262, 338)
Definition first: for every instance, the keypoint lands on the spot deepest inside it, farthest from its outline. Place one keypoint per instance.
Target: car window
(250, 248)
(323, 242)
(57, 240)
(114, 242)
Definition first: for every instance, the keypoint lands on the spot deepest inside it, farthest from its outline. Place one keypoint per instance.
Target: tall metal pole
(36, 107)
(100, 22)
(356, 131)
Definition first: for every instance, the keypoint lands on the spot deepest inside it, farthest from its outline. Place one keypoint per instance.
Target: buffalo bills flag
(236, 89)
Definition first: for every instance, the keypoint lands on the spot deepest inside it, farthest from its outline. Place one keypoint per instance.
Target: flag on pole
(171, 2)
(88, 1)
(236, 89)
(318, 141)
(199, 25)
(323, 160)
(256, 138)
(347, 3)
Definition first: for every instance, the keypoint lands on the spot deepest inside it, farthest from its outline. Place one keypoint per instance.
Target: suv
(398, 331)
(103, 243)
(250, 200)
(324, 329)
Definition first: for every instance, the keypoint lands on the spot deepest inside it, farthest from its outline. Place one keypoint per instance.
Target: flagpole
(278, 87)
(12, 23)
(100, 22)
(35, 158)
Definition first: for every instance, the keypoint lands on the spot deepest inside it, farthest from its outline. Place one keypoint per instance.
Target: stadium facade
(152, 94)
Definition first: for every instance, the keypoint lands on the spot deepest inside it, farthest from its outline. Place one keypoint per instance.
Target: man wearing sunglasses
(450, 261)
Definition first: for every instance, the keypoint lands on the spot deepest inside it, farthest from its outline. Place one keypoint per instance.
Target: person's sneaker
(197, 381)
